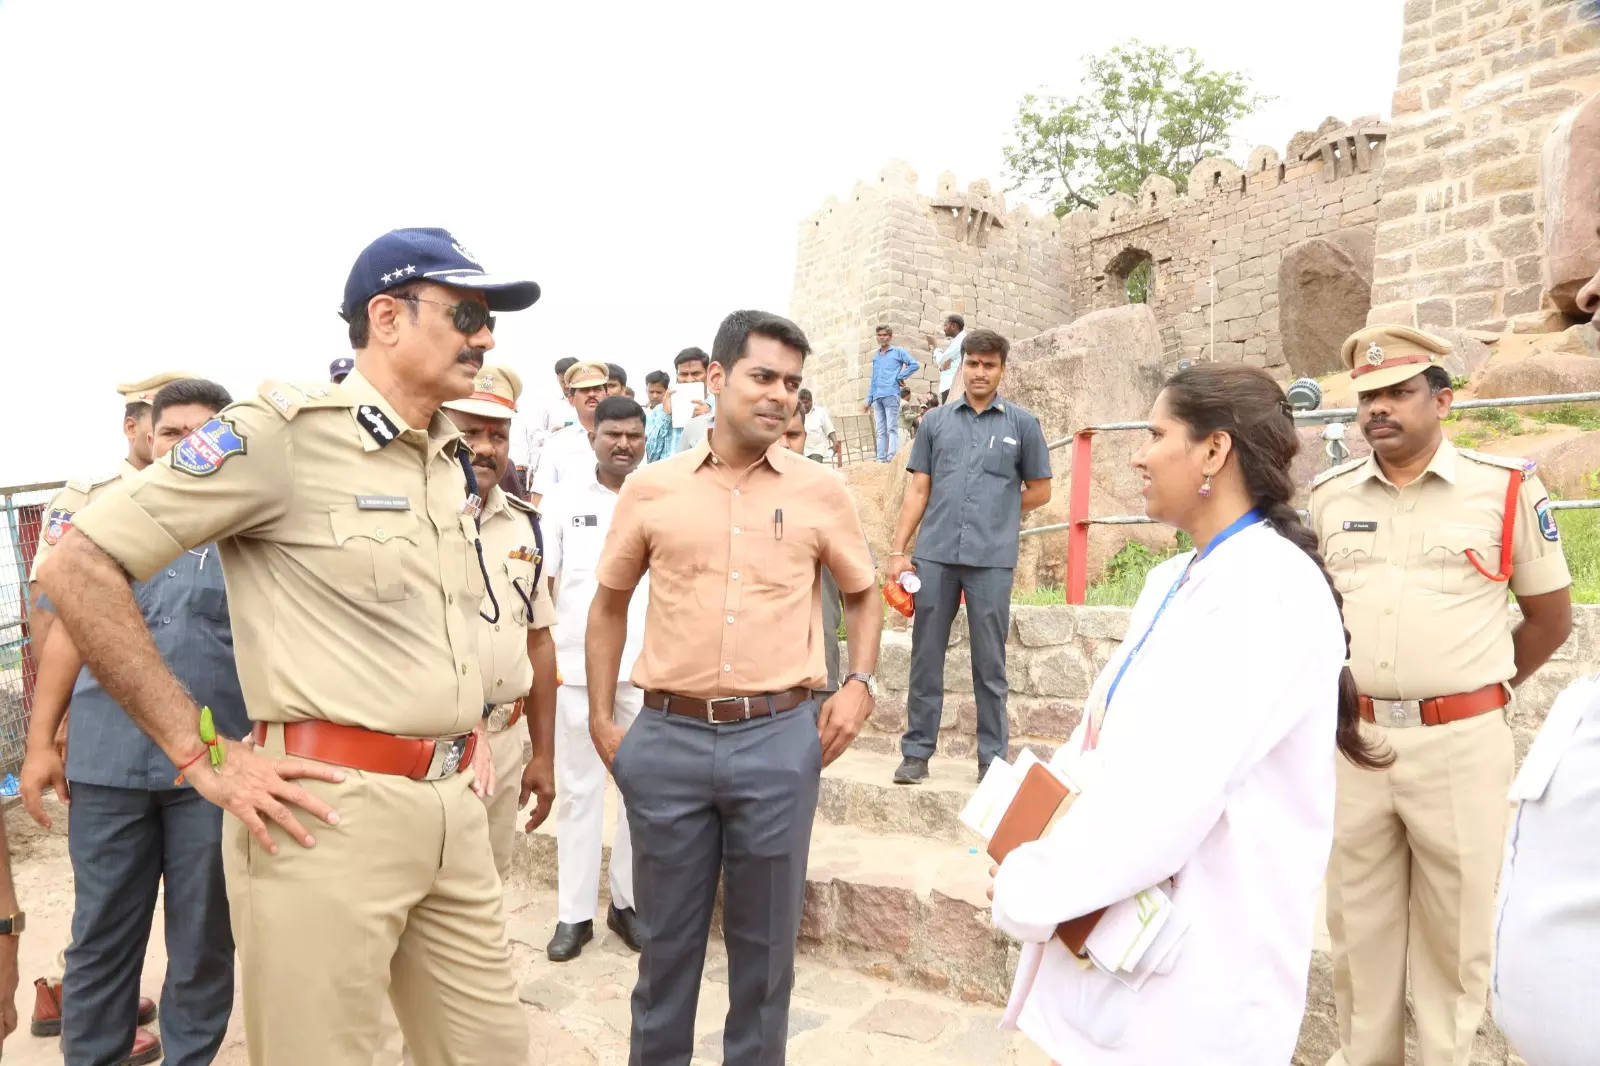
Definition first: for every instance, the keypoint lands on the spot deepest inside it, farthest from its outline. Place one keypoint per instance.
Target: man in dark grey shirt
(977, 466)
(133, 826)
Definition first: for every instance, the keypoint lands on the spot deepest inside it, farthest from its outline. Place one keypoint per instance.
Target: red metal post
(1078, 516)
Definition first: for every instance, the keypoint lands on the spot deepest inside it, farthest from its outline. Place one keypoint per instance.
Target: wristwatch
(13, 924)
(866, 679)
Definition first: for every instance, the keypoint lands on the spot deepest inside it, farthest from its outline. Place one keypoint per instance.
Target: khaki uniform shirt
(1423, 621)
(352, 579)
(509, 551)
(64, 506)
(735, 606)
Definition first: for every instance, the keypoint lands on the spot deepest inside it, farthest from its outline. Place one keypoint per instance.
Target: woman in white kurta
(1207, 756)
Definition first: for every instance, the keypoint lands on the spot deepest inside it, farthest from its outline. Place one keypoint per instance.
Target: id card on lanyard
(1091, 732)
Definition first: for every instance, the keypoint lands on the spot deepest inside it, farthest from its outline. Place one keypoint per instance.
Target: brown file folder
(1039, 802)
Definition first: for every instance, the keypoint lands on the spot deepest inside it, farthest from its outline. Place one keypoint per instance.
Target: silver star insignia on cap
(1374, 354)
(487, 381)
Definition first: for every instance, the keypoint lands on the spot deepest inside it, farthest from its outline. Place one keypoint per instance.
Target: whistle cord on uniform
(488, 586)
(526, 602)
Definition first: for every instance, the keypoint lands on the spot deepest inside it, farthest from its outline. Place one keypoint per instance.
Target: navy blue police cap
(406, 255)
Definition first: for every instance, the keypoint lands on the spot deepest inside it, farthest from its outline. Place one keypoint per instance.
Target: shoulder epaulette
(1334, 471)
(289, 398)
(517, 503)
(1505, 462)
(89, 484)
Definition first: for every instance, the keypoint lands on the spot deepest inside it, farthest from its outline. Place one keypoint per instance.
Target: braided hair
(1245, 403)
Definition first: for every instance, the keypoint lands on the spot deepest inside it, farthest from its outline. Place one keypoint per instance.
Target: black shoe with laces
(912, 771)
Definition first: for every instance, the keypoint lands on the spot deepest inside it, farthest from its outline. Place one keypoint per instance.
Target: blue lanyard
(1244, 521)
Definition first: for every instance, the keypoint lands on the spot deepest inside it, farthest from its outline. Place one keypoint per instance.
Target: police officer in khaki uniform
(516, 651)
(1423, 540)
(347, 534)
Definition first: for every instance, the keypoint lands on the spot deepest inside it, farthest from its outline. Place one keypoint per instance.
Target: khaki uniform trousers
(508, 747)
(401, 896)
(1416, 851)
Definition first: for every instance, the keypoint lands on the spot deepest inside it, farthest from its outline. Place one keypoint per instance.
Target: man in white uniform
(578, 514)
(516, 651)
(567, 452)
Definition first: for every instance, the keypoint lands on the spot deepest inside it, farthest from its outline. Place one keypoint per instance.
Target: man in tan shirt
(720, 772)
(342, 518)
(1422, 540)
(516, 650)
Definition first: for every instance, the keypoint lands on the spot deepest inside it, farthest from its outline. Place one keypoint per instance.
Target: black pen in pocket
(777, 524)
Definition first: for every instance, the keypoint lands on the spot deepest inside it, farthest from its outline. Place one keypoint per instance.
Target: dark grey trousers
(122, 842)
(988, 592)
(706, 800)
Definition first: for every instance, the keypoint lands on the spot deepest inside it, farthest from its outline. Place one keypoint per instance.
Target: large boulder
(1540, 375)
(1468, 354)
(1324, 294)
(1571, 177)
(1570, 469)
(1104, 367)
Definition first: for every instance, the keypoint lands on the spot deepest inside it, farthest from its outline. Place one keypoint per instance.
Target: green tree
(1142, 110)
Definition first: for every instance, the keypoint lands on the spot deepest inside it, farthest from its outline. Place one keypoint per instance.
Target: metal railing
(24, 512)
(1079, 520)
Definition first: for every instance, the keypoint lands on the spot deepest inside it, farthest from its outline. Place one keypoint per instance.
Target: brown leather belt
(372, 752)
(1441, 710)
(727, 709)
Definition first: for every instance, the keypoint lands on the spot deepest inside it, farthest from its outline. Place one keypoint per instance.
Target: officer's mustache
(1380, 423)
(472, 356)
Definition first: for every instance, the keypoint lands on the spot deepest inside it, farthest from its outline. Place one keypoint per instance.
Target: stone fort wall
(1461, 224)
(890, 253)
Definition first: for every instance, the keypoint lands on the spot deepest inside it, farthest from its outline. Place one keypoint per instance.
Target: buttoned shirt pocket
(372, 547)
(1348, 557)
(1444, 555)
(1000, 458)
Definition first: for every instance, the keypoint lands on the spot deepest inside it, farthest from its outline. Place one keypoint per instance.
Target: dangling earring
(1205, 490)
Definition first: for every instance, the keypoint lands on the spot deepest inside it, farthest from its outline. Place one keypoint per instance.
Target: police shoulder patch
(56, 524)
(1547, 520)
(203, 451)
(1335, 471)
(289, 398)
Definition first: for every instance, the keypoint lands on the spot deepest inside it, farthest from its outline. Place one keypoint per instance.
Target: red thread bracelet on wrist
(203, 753)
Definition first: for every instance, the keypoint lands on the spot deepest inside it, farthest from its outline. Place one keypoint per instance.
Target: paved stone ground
(577, 1012)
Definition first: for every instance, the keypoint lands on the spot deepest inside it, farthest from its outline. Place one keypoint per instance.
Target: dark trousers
(123, 842)
(706, 800)
(988, 592)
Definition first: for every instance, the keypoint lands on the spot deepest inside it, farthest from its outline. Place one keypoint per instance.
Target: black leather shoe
(912, 771)
(567, 944)
(624, 923)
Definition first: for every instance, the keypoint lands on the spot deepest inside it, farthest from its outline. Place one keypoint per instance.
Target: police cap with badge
(145, 391)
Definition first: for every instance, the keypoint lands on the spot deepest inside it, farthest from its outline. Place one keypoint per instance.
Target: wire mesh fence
(24, 511)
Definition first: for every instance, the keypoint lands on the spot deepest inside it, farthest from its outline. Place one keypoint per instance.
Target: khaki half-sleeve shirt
(352, 578)
(735, 606)
(64, 507)
(1423, 621)
(511, 556)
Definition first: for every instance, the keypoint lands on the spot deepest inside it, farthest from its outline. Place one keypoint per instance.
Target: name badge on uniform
(585, 520)
(383, 503)
(1361, 527)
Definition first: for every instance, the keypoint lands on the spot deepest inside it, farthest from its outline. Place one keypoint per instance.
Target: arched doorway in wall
(1132, 276)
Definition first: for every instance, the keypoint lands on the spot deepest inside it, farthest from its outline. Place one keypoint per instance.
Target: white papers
(998, 788)
(685, 394)
(1539, 766)
(1135, 937)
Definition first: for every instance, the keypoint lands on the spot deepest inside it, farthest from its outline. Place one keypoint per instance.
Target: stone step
(906, 906)
(858, 790)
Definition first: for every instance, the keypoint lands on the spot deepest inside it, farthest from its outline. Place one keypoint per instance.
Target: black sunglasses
(467, 316)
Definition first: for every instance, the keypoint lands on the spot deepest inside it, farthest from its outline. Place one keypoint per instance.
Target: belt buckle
(500, 716)
(1398, 714)
(711, 708)
(446, 758)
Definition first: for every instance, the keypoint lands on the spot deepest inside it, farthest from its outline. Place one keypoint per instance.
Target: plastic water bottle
(9, 786)
(901, 594)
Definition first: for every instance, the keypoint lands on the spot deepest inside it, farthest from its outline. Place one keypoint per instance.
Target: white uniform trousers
(581, 780)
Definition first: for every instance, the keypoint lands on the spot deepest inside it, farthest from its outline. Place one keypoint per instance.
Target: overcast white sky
(186, 184)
